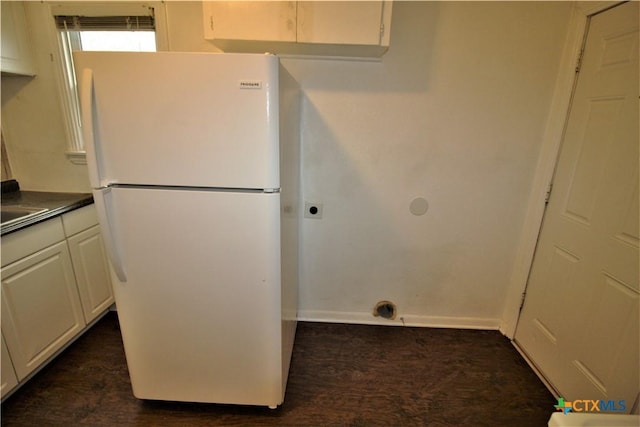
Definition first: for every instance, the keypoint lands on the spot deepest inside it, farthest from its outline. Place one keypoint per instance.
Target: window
(121, 33)
(99, 27)
(139, 41)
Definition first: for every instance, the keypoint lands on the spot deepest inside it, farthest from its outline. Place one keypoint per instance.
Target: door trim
(549, 151)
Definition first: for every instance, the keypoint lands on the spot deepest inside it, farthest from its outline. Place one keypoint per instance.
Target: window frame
(75, 151)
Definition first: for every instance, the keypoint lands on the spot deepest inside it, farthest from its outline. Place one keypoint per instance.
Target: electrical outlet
(313, 210)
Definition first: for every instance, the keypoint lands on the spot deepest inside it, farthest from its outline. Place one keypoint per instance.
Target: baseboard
(404, 320)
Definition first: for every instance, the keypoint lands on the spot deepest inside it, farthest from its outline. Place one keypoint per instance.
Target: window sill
(77, 157)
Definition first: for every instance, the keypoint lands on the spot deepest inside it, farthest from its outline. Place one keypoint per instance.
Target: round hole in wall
(385, 309)
(418, 206)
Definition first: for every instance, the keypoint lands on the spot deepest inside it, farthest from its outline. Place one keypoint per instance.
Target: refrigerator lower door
(200, 311)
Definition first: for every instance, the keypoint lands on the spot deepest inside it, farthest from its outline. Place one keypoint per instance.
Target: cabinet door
(92, 272)
(250, 20)
(40, 307)
(9, 379)
(16, 53)
(340, 22)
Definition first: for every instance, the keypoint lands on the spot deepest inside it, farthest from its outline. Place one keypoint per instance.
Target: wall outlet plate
(313, 210)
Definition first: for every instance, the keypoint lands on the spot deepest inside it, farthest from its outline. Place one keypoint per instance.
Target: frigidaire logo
(250, 84)
(591, 406)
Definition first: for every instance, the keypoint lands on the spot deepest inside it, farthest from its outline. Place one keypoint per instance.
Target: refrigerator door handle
(87, 112)
(101, 199)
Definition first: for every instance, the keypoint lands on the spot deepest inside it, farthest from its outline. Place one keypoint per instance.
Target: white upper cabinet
(328, 28)
(16, 49)
(250, 20)
(341, 22)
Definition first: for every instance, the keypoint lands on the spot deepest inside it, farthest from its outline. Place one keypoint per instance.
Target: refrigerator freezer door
(200, 311)
(180, 119)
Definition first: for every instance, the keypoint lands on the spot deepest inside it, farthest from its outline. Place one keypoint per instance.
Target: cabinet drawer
(30, 240)
(79, 220)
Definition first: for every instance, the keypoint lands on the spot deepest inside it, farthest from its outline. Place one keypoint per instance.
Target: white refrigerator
(194, 163)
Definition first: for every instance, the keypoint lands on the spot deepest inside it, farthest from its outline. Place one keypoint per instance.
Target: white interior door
(579, 323)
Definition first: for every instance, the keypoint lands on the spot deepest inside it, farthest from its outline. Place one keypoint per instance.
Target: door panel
(579, 323)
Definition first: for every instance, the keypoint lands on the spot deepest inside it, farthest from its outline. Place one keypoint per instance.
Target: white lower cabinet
(55, 282)
(92, 272)
(40, 307)
(9, 378)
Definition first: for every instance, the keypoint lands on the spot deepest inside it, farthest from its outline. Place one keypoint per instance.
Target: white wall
(453, 113)
(32, 120)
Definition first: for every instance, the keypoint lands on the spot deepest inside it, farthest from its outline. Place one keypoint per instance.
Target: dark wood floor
(341, 375)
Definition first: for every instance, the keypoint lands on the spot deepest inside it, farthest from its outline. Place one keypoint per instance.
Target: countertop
(56, 203)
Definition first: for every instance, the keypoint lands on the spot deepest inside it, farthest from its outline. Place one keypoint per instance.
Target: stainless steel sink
(15, 214)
